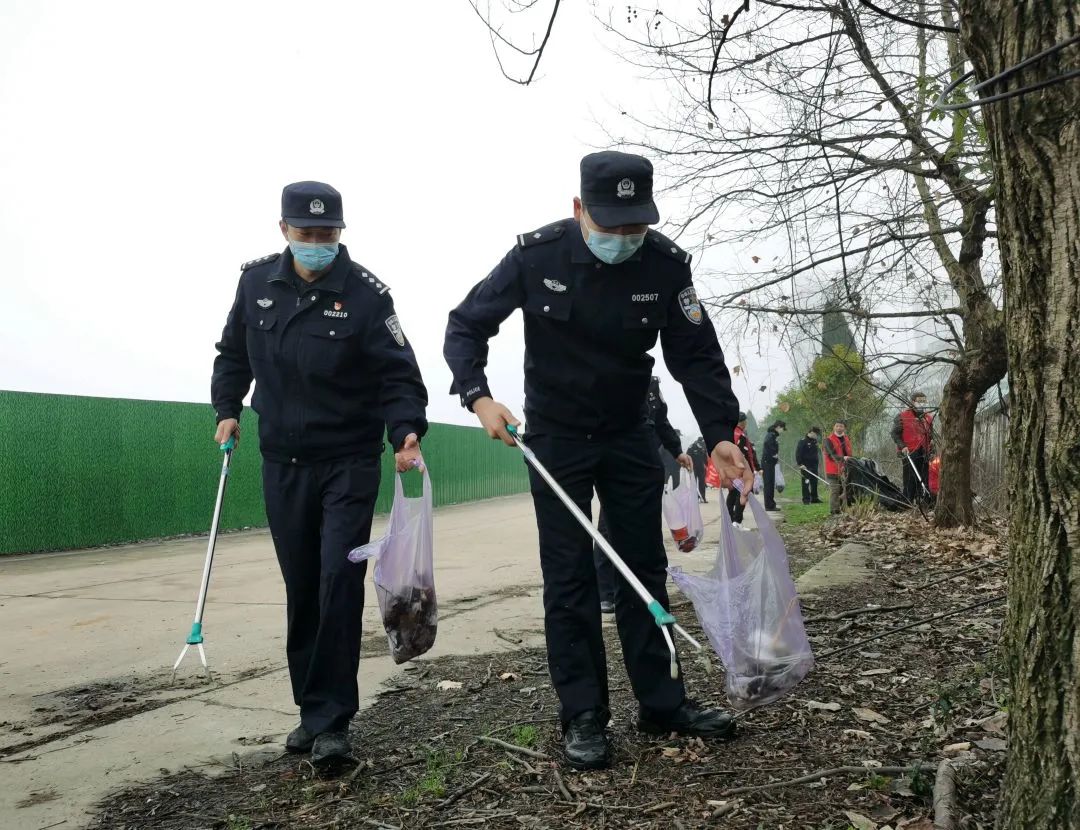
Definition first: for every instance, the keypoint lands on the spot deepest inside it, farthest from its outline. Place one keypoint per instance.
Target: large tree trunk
(982, 367)
(1035, 143)
(953, 442)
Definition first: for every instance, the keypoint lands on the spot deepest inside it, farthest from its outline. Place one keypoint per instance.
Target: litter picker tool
(663, 618)
(195, 638)
(918, 477)
(849, 484)
(925, 491)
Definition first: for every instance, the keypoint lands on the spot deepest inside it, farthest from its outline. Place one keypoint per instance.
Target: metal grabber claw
(661, 616)
(195, 638)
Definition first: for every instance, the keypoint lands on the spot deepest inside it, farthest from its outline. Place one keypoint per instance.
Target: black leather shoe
(689, 719)
(299, 740)
(607, 607)
(585, 743)
(331, 748)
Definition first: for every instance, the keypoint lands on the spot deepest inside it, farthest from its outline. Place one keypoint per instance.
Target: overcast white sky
(145, 146)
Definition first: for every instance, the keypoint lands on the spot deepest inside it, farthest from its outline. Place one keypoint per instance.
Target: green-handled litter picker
(195, 638)
(663, 618)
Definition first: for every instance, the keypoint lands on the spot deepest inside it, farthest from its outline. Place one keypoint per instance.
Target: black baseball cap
(311, 205)
(616, 189)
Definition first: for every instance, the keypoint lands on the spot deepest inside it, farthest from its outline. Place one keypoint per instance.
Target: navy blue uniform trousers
(627, 475)
(318, 513)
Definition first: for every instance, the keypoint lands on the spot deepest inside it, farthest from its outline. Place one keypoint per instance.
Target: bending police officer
(597, 291)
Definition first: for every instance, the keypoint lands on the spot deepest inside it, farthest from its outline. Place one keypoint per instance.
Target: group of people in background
(912, 433)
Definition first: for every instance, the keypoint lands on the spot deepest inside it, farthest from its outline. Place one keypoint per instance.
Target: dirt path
(904, 703)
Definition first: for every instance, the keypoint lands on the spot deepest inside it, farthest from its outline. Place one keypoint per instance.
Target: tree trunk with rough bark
(954, 431)
(1035, 143)
(982, 366)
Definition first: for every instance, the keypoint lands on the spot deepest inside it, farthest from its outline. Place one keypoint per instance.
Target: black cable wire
(1012, 70)
(933, 27)
(1004, 96)
(1003, 75)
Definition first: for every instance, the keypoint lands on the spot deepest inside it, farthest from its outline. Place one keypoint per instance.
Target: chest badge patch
(691, 306)
(555, 286)
(337, 306)
(395, 329)
(265, 302)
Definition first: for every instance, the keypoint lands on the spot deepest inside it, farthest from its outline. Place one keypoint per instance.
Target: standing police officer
(597, 291)
(664, 437)
(332, 372)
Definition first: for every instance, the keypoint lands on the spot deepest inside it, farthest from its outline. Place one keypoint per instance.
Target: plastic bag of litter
(405, 574)
(682, 512)
(749, 609)
(780, 483)
(759, 482)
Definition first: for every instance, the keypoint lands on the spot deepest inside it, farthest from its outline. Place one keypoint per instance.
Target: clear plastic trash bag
(682, 512)
(405, 574)
(749, 609)
(780, 482)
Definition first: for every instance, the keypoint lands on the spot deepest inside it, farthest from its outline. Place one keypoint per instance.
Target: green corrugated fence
(77, 472)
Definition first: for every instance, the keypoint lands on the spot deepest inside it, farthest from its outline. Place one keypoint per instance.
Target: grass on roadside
(526, 736)
(432, 783)
(805, 514)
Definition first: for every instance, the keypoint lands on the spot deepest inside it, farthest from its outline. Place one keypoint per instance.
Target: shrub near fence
(77, 472)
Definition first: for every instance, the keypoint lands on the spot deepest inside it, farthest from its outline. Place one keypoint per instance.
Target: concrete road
(87, 640)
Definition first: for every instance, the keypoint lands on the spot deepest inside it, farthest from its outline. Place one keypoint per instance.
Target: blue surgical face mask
(613, 248)
(315, 256)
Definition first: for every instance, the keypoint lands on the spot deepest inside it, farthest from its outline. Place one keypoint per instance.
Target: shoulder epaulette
(261, 260)
(548, 233)
(370, 280)
(667, 247)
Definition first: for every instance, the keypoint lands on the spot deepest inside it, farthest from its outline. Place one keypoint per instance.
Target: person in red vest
(742, 441)
(712, 477)
(913, 434)
(935, 476)
(837, 453)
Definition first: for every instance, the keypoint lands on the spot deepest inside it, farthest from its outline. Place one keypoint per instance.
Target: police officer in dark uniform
(664, 438)
(669, 437)
(698, 457)
(333, 371)
(597, 291)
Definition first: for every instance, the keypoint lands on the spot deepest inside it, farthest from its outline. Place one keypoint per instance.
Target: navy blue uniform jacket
(588, 329)
(331, 364)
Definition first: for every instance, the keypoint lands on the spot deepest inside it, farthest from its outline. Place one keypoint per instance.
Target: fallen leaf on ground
(509, 675)
(992, 744)
(448, 685)
(951, 749)
(868, 715)
(824, 707)
(916, 824)
(995, 723)
(872, 672)
(857, 733)
(859, 821)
